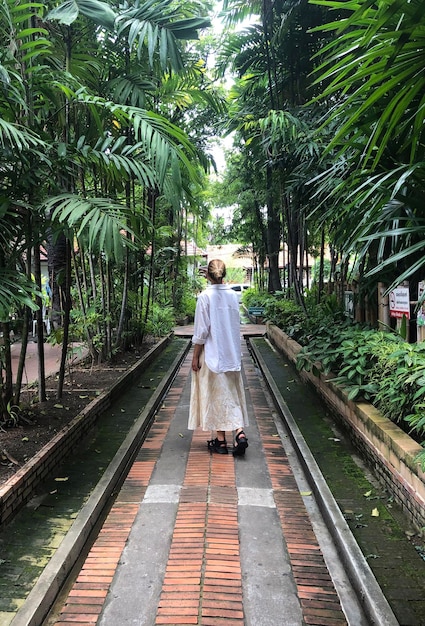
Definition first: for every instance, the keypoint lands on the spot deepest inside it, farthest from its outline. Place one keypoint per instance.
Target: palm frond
(103, 222)
(15, 291)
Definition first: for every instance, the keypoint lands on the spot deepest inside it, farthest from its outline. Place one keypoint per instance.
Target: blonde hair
(216, 269)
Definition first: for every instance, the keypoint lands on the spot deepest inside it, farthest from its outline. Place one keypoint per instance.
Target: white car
(239, 289)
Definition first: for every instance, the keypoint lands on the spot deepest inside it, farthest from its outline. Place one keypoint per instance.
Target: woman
(217, 400)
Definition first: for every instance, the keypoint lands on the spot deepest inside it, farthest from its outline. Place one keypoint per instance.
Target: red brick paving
(203, 583)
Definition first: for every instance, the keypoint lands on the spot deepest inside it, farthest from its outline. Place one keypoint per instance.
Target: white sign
(421, 311)
(400, 302)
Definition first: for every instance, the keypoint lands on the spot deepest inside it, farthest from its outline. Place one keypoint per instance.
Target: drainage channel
(381, 531)
(42, 543)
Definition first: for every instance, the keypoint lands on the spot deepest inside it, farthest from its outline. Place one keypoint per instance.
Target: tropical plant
(275, 127)
(88, 155)
(372, 73)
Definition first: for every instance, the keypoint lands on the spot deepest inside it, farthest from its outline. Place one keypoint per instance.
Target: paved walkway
(52, 355)
(194, 538)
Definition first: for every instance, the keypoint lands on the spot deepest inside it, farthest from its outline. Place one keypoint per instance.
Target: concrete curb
(370, 595)
(43, 594)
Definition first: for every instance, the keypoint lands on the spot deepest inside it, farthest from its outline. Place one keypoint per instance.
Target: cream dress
(217, 401)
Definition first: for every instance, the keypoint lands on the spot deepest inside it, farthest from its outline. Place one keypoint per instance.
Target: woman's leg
(221, 435)
(218, 444)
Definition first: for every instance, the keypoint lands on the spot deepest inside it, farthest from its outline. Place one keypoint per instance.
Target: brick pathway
(203, 578)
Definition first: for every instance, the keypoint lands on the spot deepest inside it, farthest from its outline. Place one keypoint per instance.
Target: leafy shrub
(235, 275)
(375, 365)
(285, 314)
(378, 366)
(400, 374)
(160, 321)
(253, 297)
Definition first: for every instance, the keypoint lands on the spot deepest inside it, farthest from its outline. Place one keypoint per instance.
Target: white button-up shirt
(217, 327)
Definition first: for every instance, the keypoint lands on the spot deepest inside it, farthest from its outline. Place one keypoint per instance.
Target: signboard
(349, 304)
(421, 311)
(400, 302)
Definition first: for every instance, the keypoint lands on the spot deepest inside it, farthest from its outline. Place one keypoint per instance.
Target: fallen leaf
(58, 406)
(61, 480)
(10, 457)
(306, 493)
(375, 513)
(367, 494)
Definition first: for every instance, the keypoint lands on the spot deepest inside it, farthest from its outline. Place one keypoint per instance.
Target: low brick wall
(389, 450)
(16, 492)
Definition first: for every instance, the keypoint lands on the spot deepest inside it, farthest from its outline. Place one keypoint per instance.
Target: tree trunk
(25, 326)
(321, 266)
(292, 229)
(56, 261)
(83, 306)
(273, 236)
(124, 300)
(40, 328)
(66, 297)
(7, 381)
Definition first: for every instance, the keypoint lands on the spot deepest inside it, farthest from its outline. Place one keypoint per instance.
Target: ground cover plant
(369, 364)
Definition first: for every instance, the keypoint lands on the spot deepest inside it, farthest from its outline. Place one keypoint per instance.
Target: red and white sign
(421, 311)
(400, 302)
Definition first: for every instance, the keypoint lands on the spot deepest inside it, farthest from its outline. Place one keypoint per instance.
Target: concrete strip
(248, 496)
(136, 588)
(269, 590)
(169, 494)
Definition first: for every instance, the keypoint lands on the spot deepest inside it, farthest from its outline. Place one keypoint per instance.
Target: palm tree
(80, 141)
(273, 60)
(374, 75)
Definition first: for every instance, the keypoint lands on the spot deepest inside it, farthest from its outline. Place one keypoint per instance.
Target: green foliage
(160, 321)
(315, 270)
(375, 365)
(9, 418)
(400, 374)
(84, 326)
(253, 297)
(372, 70)
(235, 275)
(284, 313)
(185, 302)
(15, 290)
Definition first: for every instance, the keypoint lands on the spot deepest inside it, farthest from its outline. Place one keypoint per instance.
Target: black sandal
(220, 447)
(241, 444)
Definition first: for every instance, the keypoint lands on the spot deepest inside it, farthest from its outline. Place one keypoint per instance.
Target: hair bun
(216, 269)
